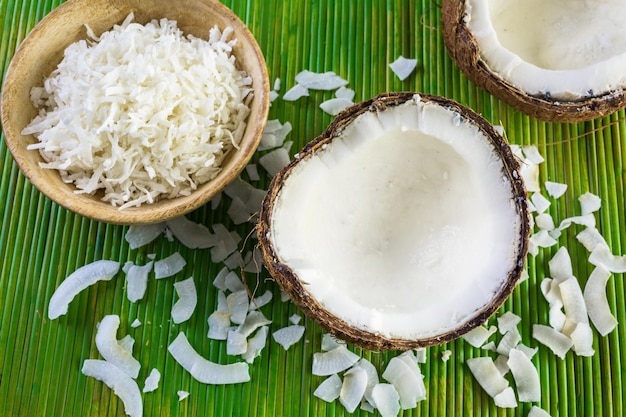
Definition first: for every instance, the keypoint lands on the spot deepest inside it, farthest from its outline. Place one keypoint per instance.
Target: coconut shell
(289, 281)
(463, 49)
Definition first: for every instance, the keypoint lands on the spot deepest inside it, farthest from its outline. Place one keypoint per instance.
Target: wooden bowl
(41, 52)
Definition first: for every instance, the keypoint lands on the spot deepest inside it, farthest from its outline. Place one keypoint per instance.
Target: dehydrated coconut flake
(334, 361)
(487, 375)
(144, 130)
(537, 412)
(597, 303)
(109, 348)
(288, 336)
(334, 105)
(152, 381)
(182, 394)
(386, 400)
(77, 281)
(403, 67)
(122, 385)
(589, 203)
(187, 300)
(525, 375)
(329, 389)
(190, 234)
(479, 335)
(169, 266)
(555, 189)
(140, 235)
(203, 370)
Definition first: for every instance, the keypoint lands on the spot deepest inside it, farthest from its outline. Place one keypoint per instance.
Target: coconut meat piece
(405, 208)
(562, 48)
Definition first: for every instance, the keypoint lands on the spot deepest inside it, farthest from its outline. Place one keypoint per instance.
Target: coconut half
(403, 225)
(560, 60)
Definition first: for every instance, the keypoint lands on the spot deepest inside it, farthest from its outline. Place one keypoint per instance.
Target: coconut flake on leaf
(255, 344)
(537, 412)
(544, 221)
(329, 389)
(137, 281)
(236, 343)
(169, 266)
(187, 300)
(152, 381)
(261, 300)
(589, 203)
(190, 234)
(296, 92)
(602, 256)
(204, 370)
(219, 325)
(587, 220)
(407, 380)
(219, 281)
(329, 342)
(345, 93)
(288, 336)
(509, 341)
(253, 321)
(555, 189)
(127, 343)
(320, 81)
(109, 348)
(560, 265)
(233, 283)
(558, 343)
(353, 388)
(542, 239)
(540, 202)
(507, 322)
(506, 399)
(487, 375)
(122, 385)
(525, 375)
(597, 303)
(591, 238)
(372, 377)
(238, 306)
(182, 395)
(140, 235)
(479, 335)
(274, 161)
(334, 105)
(403, 67)
(531, 152)
(77, 281)
(386, 400)
(295, 319)
(334, 361)
(253, 172)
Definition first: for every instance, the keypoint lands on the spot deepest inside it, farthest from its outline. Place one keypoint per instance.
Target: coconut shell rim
(291, 284)
(463, 49)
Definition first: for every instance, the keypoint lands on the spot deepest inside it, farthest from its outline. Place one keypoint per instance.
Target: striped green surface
(41, 243)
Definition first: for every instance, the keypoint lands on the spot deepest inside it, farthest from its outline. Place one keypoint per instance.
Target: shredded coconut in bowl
(142, 112)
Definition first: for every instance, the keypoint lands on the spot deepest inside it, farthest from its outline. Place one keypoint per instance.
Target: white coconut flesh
(568, 49)
(403, 225)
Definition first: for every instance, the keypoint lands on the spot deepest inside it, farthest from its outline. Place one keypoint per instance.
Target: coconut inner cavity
(403, 225)
(566, 48)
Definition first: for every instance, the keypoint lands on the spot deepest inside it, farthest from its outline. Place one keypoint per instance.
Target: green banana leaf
(42, 243)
